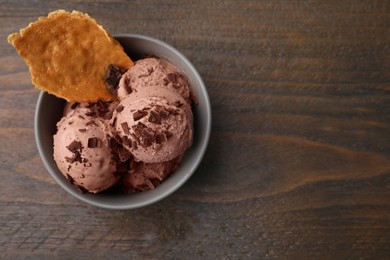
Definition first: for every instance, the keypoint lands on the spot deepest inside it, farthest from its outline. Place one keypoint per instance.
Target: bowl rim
(199, 156)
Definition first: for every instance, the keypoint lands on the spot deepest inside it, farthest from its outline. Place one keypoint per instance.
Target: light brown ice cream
(136, 141)
(153, 72)
(82, 152)
(146, 176)
(154, 124)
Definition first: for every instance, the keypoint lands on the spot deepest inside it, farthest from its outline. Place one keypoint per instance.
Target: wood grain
(298, 165)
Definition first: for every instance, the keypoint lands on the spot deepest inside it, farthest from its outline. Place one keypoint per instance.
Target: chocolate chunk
(102, 108)
(146, 133)
(109, 141)
(158, 107)
(160, 138)
(179, 81)
(91, 122)
(172, 77)
(149, 71)
(113, 122)
(80, 116)
(168, 134)
(127, 84)
(166, 81)
(147, 142)
(101, 104)
(125, 128)
(178, 104)
(74, 146)
(118, 152)
(147, 137)
(113, 143)
(154, 117)
(91, 114)
(139, 114)
(176, 112)
(69, 159)
(69, 167)
(135, 146)
(163, 113)
(141, 125)
(136, 138)
(138, 129)
(104, 113)
(118, 138)
(83, 130)
(112, 77)
(77, 157)
(94, 142)
(74, 105)
(119, 108)
(126, 140)
(173, 111)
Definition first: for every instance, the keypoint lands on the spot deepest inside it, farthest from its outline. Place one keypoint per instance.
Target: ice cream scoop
(154, 124)
(146, 176)
(82, 152)
(153, 72)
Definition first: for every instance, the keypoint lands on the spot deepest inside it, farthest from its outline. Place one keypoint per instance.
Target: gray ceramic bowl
(49, 111)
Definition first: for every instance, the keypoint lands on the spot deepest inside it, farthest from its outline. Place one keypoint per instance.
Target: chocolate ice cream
(155, 124)
(146, 176)
(82, 152)
(151, 73)
(136, 141)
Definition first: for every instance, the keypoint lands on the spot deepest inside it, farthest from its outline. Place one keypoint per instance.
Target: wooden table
(298, 164)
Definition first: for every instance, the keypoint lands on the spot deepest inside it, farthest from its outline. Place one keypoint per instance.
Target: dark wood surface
(298, 165)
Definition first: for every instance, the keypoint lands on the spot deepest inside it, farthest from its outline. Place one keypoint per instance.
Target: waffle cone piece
(69, 55)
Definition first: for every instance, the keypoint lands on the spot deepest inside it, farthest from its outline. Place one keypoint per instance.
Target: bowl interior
(49, 111)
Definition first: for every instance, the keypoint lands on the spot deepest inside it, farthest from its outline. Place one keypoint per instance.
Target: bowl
(49, 111)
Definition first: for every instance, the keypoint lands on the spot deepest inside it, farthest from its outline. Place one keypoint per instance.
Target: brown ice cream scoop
(82, 152)
(152, 73)
(147, 176)
(154, 124)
